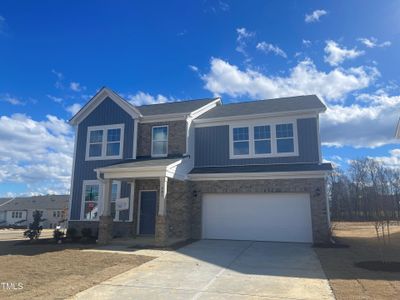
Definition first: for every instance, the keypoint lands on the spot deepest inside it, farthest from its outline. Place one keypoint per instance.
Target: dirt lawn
(350, 282)
(57, 271)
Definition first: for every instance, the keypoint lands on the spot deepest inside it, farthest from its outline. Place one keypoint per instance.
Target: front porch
(153, 185)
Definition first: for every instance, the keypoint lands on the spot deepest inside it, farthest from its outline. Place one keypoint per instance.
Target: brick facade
(176, 137)
(316, 187)
(184, 200)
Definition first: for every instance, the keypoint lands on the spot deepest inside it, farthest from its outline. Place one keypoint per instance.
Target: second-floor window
(159, 141)
(263, 140)
(105, 142)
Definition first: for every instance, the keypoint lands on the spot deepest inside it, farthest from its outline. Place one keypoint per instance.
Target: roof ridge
(269, 99)
(187, 100)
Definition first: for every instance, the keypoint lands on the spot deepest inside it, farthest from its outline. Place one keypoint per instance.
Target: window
(115, 193)
(56, 213)
(159, 142)
(284, 138)
(93, 197)
(262, 139)
(241, 141)
(105, 142)
(91, 201)
(16, 215)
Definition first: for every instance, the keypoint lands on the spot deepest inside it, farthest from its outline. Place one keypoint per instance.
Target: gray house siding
(212, 146)
(107, 113)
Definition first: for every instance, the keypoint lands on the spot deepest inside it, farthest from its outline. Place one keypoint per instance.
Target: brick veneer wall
(176, 137)
(315, 187)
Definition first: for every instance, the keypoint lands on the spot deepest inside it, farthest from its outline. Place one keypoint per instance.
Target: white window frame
(283, 138)
(272, 123)
(100, 202)
(254, 141)
(232, 142)
(159, 155)
(105, 128)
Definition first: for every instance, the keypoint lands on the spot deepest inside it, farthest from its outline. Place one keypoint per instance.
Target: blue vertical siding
(212, 146)
(107, 113)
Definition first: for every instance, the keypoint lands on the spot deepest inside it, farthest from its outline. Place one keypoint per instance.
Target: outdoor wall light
(194, 194)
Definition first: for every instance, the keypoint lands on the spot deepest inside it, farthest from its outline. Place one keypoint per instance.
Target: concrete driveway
(216, 269)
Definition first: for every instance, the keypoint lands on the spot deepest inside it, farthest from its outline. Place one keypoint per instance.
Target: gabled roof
(270, 106)
(101, 95)
(194, 108)
(57, 202)
(178, 107)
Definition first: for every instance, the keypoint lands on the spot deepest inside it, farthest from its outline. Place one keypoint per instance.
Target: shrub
(86, 233)
(72, 234)
(58, 235)
(35, 229)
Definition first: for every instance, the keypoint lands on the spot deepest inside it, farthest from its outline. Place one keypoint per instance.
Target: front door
(148, 201)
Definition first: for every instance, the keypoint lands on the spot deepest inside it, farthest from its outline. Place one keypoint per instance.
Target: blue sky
(54, 55)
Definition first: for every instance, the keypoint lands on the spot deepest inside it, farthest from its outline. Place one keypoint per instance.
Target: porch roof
(141, 168)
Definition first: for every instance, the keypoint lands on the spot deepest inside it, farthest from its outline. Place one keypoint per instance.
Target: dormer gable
(97, 99)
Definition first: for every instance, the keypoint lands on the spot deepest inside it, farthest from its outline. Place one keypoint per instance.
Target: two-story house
(200, 169)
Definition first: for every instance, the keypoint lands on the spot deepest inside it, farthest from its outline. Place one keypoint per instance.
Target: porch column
(161, 220)
(105, 220)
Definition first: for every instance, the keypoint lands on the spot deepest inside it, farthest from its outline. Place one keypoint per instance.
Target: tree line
(368, 190)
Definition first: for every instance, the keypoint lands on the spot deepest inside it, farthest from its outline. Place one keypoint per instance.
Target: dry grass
(350, 282)
(58, 271)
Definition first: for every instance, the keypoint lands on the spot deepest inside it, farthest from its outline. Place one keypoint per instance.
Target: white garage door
(259, 217)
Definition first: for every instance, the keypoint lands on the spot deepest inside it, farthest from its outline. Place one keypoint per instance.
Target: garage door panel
(263, 217)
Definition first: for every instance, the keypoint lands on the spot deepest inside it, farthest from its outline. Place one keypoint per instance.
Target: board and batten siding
(107, 113)
(212, 146)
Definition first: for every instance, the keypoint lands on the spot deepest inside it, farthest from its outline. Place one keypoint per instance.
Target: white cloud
(74, 108)
(55, 99)
(370, 124)
(142, 98)
(224, 78)
(315, 15)
(76, 86)
(266, 47)
(373, 42)
(392, 161)
(193, 68)
(2, 24)
(11, 99)
(306, 43)
(243, 35)
(37, 153)
(336, 55)
(60, 78)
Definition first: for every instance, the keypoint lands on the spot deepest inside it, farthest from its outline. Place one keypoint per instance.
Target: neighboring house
(19, 211)
(200, 169)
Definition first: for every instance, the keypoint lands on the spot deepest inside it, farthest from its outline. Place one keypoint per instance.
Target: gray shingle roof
(174, 107)
(263, 168)
(152, 162)
(36, 202)
(289, 104)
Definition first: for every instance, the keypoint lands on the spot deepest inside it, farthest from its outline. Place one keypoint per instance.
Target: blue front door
(148, 200)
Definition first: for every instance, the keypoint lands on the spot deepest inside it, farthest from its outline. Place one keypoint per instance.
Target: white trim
(274, 151)
(205, 108)
(227, 120)
(71, 189)
(397, 134)
(99, 207)
(118, 183)
(181, 116)
(139, 205)
(135, 135)
(103, 94)
(104, 142)
(159, 155)
(319, 141)
(132, 200)
(258, 175)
